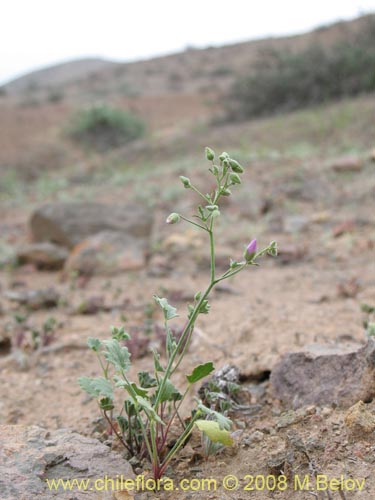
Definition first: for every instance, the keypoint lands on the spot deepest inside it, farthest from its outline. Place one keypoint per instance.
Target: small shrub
(103, 128)
(284, 81)
(151, 403)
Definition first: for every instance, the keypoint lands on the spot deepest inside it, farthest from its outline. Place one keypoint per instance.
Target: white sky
(37, 33)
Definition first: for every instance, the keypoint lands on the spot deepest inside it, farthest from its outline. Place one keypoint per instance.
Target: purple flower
(252, 247)
(251, 250)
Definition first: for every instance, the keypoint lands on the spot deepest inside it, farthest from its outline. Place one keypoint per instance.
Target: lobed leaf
(212, 430)
(117, 355)
(200, 372)
(96, 387)
(169, 311)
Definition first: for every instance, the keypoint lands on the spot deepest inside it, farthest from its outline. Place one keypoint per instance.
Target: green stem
(200, 194)
(168, 370)
(134, 396)
(192, 222)
(180, 441)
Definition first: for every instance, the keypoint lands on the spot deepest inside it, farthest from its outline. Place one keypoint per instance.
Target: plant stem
(117, 434)
(194, 223)
(179, 442)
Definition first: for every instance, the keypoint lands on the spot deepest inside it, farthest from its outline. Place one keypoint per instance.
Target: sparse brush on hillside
(284, 81)
(102, 128)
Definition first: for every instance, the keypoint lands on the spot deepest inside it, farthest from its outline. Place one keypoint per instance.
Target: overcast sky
(37, 33)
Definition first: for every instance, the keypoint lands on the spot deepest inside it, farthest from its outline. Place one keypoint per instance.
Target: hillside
(194, 70)
(56, 75)
(173, 94)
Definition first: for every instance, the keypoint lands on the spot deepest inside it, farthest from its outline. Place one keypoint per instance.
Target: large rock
(107, 252)
(325, 375)
(67, 224)
(30, 455)
(44, 255)
(347, 164)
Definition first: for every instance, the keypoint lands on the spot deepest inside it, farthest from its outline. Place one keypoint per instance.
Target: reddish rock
(44, 255)
(67, 224)
(343, 228)
(347, 164)
(326, 375)
(107, 252)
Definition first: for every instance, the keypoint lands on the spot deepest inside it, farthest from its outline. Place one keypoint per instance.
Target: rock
(176, 243)
(290, 417)
(43, 298)
(67, 224)
(107, 252)
(29, 456)
(295, 223)
(359, 420)
(44, 255)
(347, 164)
(92, 305)
(326, 375)
(349, 288)
(343, 228)
(256, 437)
(5, 344)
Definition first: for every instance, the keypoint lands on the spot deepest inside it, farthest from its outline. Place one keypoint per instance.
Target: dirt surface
(311, 293)
(293, 192)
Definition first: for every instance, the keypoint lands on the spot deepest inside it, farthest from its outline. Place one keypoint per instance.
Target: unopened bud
(210, 155)
(226, 192)
(215, 213)
(185, 181)
(250, 250)
(236, 167)
(223, 156)
(173, 218)
(211, 208)
(234, 178)
(272, 249)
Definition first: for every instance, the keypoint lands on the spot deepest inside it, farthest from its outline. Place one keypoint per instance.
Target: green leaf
(146, 380)
(106, 404)
(96, 387)
(204, 307)
(131, 388)
(170, 393)
(170, 312)
(94, 344)
(149, 410)
(117, 355)
(200, 372)
(212, 430)
(224, 422)
(123, 423)
(119, 333)
(157, 365)
(170, 342)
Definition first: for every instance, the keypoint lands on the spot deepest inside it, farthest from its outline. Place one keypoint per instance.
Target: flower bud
(250, 250)
(223, 156)
(173, 218)
(211, 208)
(236, 167)
(185, 181)
(234, 178)
(272, 249)
(215, 213)
(226, 192)
(210, 155)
